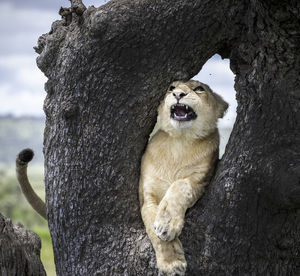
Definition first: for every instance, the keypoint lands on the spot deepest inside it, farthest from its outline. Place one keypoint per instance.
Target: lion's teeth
(186, 107)
(185, 116)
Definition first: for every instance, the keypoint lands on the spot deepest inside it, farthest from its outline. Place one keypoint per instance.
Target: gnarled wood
(108, 68)
(19, 250)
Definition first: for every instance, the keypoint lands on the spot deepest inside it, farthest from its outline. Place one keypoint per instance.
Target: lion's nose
(178, 95)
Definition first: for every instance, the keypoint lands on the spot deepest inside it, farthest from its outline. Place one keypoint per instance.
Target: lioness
(177, 165)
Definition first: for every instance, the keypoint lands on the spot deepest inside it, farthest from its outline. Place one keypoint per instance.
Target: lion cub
(177, 165)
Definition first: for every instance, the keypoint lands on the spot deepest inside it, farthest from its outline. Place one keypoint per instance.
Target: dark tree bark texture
(19, 250)
(108, 68)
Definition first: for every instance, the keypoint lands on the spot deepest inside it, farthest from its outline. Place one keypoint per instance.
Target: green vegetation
(14, 205)
(16, 134)
(12, 202)
(47, 250)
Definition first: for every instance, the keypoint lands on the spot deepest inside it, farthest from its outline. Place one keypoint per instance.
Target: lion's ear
(221, 106)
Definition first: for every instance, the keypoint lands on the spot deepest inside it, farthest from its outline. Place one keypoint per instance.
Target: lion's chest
(173, 160)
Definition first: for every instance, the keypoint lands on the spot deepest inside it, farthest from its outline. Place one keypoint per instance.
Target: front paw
(171, 260)
(176, 268)
(167, 224)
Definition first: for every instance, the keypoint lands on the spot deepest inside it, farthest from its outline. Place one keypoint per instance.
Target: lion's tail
(23, 158)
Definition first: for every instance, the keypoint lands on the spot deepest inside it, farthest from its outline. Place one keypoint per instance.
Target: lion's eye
(199, 89)
(171, 88)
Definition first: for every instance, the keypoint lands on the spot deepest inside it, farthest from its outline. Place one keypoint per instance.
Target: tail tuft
(26, 155)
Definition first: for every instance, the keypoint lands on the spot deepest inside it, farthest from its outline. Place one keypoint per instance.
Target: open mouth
(182, 112)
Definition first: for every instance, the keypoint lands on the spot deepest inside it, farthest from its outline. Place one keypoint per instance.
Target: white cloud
(18, 43)
(24, 72)
(20, 28)
(96, 3)
(17, 20)
(21, 82)
(22, 103)
(31, 77)
(22, 91)
(12, 61)
(217, 74)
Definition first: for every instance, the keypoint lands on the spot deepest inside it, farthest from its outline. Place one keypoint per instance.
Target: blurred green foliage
(47, 256)
(15, 135)
(14, 205)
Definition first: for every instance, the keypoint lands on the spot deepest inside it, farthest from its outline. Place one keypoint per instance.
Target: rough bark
(19, 250)
(108, 68)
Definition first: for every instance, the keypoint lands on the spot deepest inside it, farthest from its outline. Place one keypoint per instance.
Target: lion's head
(191, 109)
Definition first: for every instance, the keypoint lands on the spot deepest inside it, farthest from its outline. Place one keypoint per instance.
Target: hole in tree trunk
(96, 3)
(217, 74)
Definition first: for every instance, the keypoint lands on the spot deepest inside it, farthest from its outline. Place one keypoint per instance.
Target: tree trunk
(19, 250)
(108, 68)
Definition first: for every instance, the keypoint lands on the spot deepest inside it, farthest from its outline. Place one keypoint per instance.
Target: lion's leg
(169, 219)
(169, 255)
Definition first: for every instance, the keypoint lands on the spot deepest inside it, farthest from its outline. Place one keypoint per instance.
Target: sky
(22, 83)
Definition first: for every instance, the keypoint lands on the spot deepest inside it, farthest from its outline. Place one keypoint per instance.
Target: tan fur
(176, 167)
(34, 200)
